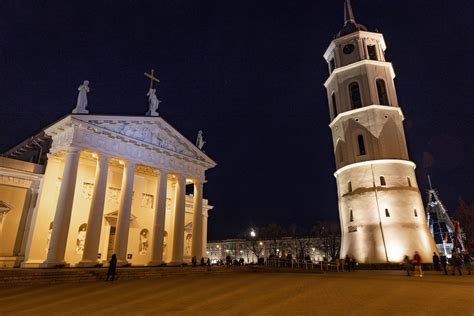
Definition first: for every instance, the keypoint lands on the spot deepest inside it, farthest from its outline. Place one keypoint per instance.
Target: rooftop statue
(200, 141)
(82, 99)
(154, 103)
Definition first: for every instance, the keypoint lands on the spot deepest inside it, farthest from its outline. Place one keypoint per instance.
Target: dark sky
(251, 76)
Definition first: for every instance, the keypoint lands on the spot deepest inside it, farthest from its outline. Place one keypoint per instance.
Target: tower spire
(348, 14)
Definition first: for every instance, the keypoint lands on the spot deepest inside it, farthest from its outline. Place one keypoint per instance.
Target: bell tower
(380, 206)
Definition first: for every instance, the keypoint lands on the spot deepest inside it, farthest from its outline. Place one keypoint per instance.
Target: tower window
(387, 213)
(334, 104)
(382, 92)
(360, 140)
(415, 212)
(351, 216)
(382, 181)
(409, 183)
(332, 64)
(371, 49)
(356, 101)
(349, 187)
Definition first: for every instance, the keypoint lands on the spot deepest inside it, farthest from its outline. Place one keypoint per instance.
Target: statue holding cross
(153, 100)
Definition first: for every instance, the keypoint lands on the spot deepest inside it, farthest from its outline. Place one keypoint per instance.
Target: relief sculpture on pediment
(153, 135)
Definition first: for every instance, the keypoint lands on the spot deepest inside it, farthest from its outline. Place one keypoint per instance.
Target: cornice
(360, 63)
(350, 113)
(354, 35)
(374, 162)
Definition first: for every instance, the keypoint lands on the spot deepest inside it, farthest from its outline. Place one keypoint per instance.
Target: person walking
(436, 261)
(457, 263)
(467, 262)
(444, 264)
(417, 264)
(347, 261)
(112, 268)
(407, 264)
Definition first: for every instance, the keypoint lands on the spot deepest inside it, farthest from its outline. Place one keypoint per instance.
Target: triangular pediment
(150, 130)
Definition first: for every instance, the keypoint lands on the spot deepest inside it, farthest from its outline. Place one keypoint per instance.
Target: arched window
(354, 91)
(415, 212)
(387, 213)
(351, 216)
(360, 140)
(409, 181)
(382, 92)
(371, 50)
(349, 187)
(382, 181)
(334, 104)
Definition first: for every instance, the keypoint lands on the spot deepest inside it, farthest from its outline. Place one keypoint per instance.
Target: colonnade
(62, 217)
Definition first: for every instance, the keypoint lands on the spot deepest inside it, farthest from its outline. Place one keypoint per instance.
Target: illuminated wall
(381, 212)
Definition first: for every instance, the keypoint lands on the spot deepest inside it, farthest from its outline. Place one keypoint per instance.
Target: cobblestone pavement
(359, 293)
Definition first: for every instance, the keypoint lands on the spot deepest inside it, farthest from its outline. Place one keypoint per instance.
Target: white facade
(117, 185)
(381, 212)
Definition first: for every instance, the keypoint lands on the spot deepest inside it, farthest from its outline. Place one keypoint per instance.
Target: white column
(124, 213)
(159, 220)
(196, 249)
(204, 233)
(96, 213)
(178, 231)
(62, 216)
(32, 204)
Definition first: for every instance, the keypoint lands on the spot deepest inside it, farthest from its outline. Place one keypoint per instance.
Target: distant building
(311, 247)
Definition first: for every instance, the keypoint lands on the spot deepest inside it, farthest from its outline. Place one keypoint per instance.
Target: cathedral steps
(19, 277)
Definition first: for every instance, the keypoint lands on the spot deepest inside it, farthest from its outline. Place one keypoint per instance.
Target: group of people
(457, 262)
(203, 261)
(350, 262)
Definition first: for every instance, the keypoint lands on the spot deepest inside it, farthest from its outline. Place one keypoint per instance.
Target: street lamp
(252, 233)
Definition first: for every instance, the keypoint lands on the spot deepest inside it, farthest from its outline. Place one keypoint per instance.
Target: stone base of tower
(381, 212)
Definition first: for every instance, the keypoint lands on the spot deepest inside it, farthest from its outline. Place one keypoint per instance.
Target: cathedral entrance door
(110, 247)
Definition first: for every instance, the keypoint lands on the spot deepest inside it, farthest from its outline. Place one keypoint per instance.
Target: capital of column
(73, 150)
(127, 163)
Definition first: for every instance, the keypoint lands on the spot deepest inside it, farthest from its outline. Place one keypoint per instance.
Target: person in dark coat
(112, 268)
(348, 262)
(436, 261)
(457, 263)
(407, 264)
(444, 264)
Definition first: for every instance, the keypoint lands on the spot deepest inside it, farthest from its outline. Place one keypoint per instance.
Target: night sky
(251, 77)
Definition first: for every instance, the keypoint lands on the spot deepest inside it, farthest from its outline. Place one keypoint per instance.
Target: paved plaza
(359, 293)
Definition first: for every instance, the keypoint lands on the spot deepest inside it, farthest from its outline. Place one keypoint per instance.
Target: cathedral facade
(380, 207)
(111, 185)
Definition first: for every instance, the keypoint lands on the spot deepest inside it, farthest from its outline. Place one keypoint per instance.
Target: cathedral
(89, 186)
(380, 207)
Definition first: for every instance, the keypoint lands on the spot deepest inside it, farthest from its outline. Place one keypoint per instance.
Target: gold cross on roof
(152, 77)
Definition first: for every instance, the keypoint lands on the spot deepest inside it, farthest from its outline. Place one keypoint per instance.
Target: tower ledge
(374, 162)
